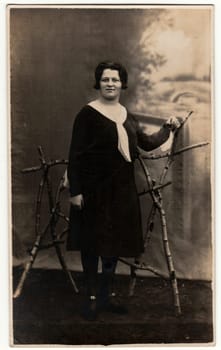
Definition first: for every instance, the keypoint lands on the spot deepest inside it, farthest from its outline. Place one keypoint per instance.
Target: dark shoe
(89, 312)
(112, 305)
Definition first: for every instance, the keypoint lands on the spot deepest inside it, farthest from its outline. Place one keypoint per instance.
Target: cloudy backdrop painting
(168, 54)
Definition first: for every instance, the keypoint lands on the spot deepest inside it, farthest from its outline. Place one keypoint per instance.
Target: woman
(105, 218)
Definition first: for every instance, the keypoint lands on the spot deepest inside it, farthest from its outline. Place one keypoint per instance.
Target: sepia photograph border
(7, 311)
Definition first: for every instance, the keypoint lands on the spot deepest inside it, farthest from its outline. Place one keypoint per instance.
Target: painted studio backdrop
(167, 52)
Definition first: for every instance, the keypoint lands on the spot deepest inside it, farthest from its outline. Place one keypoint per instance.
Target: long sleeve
(150, 142)
(81, 138)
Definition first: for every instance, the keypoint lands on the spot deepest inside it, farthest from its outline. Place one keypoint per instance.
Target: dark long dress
(110, 222)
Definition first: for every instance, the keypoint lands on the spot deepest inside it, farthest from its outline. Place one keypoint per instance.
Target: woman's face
(110, 84)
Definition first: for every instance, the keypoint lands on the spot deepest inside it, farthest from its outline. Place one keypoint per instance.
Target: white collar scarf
(119, 119)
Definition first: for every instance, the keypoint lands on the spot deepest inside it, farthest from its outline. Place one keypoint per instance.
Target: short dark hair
(114, 66)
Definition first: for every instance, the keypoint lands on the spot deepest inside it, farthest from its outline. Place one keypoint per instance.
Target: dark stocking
(90, 268)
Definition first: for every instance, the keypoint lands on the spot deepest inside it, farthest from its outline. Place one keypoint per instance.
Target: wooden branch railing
(51, 224)
(156, 195)
(55, 213)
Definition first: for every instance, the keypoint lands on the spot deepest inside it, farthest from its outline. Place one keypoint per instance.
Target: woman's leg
(90, 269)
(108, 301)
(107, 278)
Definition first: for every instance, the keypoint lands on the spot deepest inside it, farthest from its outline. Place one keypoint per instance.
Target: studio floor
(49, 312)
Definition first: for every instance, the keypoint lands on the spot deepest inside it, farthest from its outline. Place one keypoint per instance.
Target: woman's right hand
(77, 201)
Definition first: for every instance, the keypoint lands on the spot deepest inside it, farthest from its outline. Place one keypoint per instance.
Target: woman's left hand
(173, 123)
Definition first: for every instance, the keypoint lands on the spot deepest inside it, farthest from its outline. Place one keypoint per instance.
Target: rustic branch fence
(154, 190)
